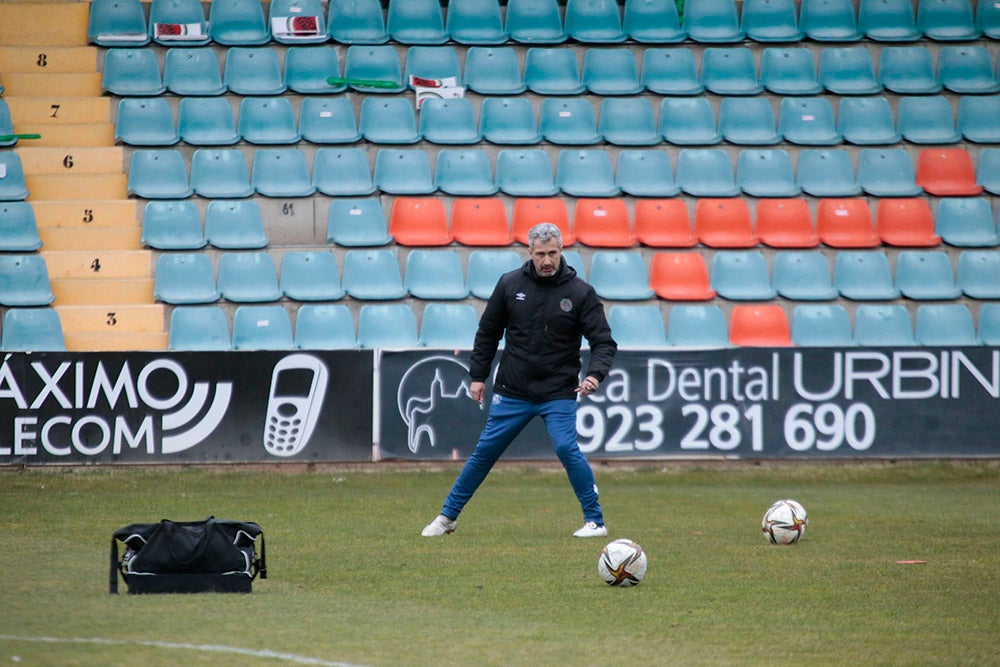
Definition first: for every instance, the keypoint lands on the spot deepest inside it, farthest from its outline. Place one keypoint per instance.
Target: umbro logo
(519, 296)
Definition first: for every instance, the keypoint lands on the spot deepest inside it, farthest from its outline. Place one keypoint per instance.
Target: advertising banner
(740, 403)
(177, 407)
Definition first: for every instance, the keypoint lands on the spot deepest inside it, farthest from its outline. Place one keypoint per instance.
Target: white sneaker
(592, 529)
(442, 525)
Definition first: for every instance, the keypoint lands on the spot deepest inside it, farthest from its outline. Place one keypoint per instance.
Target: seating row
(118, 22)
(737, 275)
(962, 69)
(623, 121)
(528, 172)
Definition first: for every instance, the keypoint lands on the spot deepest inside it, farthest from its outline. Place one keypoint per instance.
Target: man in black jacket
(543, 309)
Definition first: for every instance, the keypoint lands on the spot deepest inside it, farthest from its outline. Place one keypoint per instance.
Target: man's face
(545, 255)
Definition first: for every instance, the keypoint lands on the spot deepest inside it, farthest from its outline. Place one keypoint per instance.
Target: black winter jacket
(544, 320)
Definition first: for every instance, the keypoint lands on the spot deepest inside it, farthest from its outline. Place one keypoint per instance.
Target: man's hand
(476, 391)
(588, 386)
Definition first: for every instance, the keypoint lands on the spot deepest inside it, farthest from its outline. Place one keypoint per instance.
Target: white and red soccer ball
(784, 522)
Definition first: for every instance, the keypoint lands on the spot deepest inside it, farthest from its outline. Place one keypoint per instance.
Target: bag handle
(196, 553)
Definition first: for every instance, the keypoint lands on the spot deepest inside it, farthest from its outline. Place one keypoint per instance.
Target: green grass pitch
(352, 582)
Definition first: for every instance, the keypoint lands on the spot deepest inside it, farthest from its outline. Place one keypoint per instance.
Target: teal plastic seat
(712, 21)
(770, 21)
(988, 331)
(823, 172)
(730, 71)
(369, 63)
(653, 22)
(628, 121)
(235, 225)
(766, 172)
(887, 172)
(807, 121)
(448, 121)
(248, 277)
(307, 69)
(908, 70)
(435, 274)
(979, 118)
(325, 327)
(415, 22)
(611, 72)
(619, 275)
(525, 172)
(117, 23)
(206, 121)
(829, 21)
(594, 21)
(356, 22)
(32, 330)
(821, 325)
(448, 326)
(342, 172)
(988, 18)
(24, 281)
(688, 121)
(988, 170)
(637, 327)
(262, 328)
(388, 120)
(803, 276)
(185, 278)
(297, 22)
(199, 329)
(357, 222)
(508, 121)
(373, 274)
(552, 71)
(568, 121)
(946, 20)
(13, 186)
(493, 71)
(178, 23)
(310, 275)
(706, 172)
(154, 173)
(268, 121)
(281, 172)
(191, 71)
(670, 71)
(534, 22)
(145, 121)
(328, 120)
(866, 121)
(966, 222)
(485, 268)
(748, 121)
(848, 71)
(220, 173)
(944, 325)
(253, 71)
(432, 62)
(742, 275)
(862, 275)
(979, 274)
(967, 69)
(883, 325)
(926, 274)
(789, 71)
(237, 23)
(645, 173)
(586, 173)
(475, 22)
(387, 326)
(131, 72)
(464, 172)
(697, 326)
(926, 120)
(888, 20)
(403, 172)
(18, 227)
(172, 225)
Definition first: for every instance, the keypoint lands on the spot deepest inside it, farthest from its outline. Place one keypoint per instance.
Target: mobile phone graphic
(298, 386)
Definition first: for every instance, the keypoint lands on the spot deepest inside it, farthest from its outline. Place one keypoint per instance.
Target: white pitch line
(208, 648)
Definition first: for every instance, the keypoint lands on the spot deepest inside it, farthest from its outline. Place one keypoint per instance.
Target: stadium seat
(888, 20)
(184, 278)
(866, 121)
(706, 172)
(528, 212)
(742, 275)
(297, 22)
(321, 326)
(926, 120)
(220, 173)
(575, 260)
(770, 21)
(979, 118)
(789, 71)
(342, 172)
(415, 22)
(967, 69)
(237, 23)
(534, 22)
(947, 172)
(908, 70)
(946, 20)
(131, 72)
(157, 173)
(680, 276)
(388, 120)
(945, 325)
(356, 22)
(645, 173)
(846, 223)
(192, 71)
(637, 327)
(13, 186)
(926, 274)
(603, 223)
(373, 275)
(848, 71)
(464, 172)
(262, 328)
(307, 69)
(628, 121)
(688, 122)
(18, 227)
(883, 325)
(979, 274)
(328, 120)
(785, 223)
(419, 221)
(864, 276)
(448, 326)
(403, 172)
(594, 21)
(485, 268)
(826, 173)
(759, 326)
(988, 18)
(697, 326)
(723, 223)
(988, 331)
(206, 121)
(493, 71)
(619, 275)
(611, 71)
(652, 22)
(662, 223)
(387, 325)
(117, 23)
(435, 274)
(448, 122)
(168, 225)
(253, 71)
(248, 277)
(887, 172)
(24, 280)
(268, 121)
(966, 222)
(508, 121)
(730, 71)
(525, 172)
(232, 224)
(178, 23)
(807, 121)
(480, 222)
(829, 21)
(199, 329)
(552, 71)
(367, 63)
(142, 121)
(585, 173)
(431, 62)
(821, 325)
(905, 222)
(748, 121)
(670, 71)
(568, 121)
(803, 276)
(766, 172)
(32, 330)
(988, 170)
(357, 222)
(310, 276)
(712, 21)
(475, 22)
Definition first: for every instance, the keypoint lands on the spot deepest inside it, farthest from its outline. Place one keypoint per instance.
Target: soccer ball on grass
(784, 522)
(622, 563)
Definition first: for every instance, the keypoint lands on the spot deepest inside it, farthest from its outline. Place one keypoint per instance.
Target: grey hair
(542, 232)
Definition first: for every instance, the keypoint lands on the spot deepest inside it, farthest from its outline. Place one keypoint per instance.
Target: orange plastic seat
(724, 223)
(905, 222)
(785, 223)
(419, 221)
(845, 223)
(480, 222)
(759, 325)
(947, 172)
(603, 223)
(680, 276)
(662, 223)
(529, 211)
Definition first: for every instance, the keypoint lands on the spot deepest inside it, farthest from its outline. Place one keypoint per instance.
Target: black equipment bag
(188, 557)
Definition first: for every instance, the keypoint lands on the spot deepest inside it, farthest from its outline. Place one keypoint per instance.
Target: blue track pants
(508, 416)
